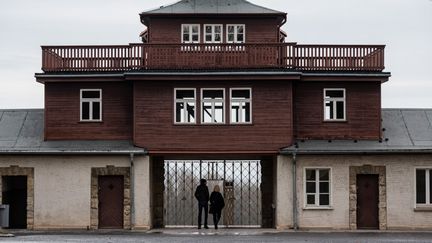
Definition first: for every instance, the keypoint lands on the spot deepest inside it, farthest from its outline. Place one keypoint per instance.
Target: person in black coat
(217, 204)
(202, 195)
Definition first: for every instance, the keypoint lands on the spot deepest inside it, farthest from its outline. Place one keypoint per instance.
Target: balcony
(176, 57)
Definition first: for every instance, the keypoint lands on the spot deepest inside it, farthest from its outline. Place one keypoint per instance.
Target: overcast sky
(405, 26)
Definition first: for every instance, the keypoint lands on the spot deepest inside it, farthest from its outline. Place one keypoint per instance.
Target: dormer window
(236, 33)
(213, 33)
(190, 33)
(91, 105)
(334, 105)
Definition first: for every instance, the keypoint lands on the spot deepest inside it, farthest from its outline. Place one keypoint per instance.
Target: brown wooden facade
(287, 82)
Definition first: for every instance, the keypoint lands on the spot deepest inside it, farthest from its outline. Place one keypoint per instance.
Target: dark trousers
(216, 217)
(202, 207)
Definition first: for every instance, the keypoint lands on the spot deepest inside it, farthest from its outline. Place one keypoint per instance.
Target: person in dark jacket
(202, 195)
(216, 204)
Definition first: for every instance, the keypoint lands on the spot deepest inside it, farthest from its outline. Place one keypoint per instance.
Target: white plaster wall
(400, 190)
(62, 187)
(142, 192)
(284, 192)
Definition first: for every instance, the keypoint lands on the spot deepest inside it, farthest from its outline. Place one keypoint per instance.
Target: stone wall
(382, 206)
(22, 171)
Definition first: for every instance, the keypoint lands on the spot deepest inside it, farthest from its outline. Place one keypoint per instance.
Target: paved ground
(218, 237)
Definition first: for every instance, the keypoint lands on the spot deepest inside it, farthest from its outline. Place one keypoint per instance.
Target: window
(236, 33)
(213, 104)
(185, 103)
(91, 104)
(423, 186)
(241, 102)
(334, 105)
(190, 33)
(317, 187)
(213, 33)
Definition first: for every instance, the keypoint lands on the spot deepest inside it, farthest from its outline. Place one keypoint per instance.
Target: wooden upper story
(213, 76)
(208, 35)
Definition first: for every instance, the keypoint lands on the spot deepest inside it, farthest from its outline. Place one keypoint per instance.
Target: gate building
(293, 134)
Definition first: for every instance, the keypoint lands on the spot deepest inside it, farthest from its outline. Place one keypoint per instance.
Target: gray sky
(405, 26)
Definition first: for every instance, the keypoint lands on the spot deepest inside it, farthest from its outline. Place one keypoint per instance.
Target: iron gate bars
(182, 177)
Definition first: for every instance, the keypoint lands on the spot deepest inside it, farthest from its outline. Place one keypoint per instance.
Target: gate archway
(241, 180)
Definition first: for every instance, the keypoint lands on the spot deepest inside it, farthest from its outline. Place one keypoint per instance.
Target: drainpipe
(294, 162)
(132, 190)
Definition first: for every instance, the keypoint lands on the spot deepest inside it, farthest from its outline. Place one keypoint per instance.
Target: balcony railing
(213, 56)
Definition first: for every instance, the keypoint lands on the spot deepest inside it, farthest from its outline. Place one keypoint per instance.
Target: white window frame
(235, 33)
(334, 100)
(427, 188)
(91, 100)
(190, 34)
(213, 109)
(213, 33)
(317, 192)
(185, 114)
(241, 100)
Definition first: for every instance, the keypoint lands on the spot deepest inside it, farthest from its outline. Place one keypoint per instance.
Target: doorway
(367, 201)
(110, 205)
(14, 193)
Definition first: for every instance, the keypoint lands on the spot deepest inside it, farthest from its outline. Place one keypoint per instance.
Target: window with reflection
(213, 104)
(185, 105)
(241, 105)
(334, 105)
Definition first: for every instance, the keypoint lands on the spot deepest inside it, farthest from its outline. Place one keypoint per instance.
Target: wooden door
(111, 196)
(367, 202)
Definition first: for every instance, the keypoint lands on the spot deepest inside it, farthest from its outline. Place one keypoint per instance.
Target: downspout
(294, 176)
(132, 190)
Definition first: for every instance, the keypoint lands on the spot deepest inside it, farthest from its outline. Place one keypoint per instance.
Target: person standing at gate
(202, 195)
(217, 203)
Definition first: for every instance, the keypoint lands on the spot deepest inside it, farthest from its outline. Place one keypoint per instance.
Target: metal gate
(241, 188)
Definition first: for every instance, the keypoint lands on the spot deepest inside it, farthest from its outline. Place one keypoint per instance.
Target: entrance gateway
(240, 183)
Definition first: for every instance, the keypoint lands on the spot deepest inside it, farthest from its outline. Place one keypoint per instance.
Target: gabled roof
(404, 131)
(212, 7)
(21, 132)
